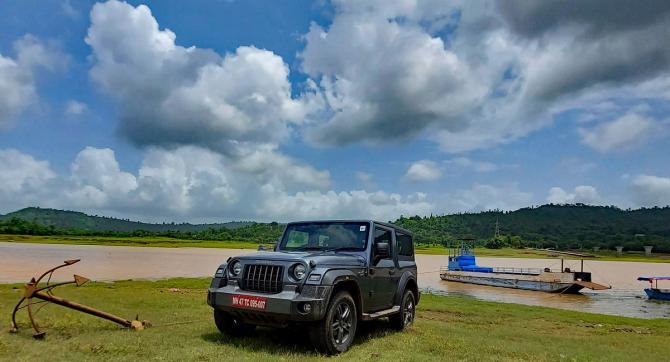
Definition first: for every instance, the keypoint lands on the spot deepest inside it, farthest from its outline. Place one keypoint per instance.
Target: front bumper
(280, 308)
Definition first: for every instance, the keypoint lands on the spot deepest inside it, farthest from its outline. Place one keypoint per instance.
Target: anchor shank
(82, 308)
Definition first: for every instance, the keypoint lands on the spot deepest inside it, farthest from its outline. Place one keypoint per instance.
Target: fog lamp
(307, 308)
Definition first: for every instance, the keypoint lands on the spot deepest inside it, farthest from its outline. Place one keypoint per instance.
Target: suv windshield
(325, 236)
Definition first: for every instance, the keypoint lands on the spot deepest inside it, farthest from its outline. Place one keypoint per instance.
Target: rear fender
(406, 279)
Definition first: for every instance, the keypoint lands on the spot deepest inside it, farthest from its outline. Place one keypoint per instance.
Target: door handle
(391, 271)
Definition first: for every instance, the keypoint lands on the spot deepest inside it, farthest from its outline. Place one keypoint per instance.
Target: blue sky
(227, 110)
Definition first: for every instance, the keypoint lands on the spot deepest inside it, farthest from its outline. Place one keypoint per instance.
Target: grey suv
(328, 275)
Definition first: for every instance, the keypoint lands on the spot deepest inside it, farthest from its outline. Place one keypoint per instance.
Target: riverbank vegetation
(447, 328)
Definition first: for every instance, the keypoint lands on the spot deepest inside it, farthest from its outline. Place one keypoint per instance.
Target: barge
(463, 268)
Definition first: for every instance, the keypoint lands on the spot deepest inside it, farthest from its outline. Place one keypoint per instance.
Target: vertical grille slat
(262, 278)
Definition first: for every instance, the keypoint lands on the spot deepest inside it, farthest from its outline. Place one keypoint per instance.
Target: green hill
(556, 226)
(63, 219)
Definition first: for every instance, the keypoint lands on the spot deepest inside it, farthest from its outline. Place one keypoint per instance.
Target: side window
(384, 236)
(405, 246)
(297, 239)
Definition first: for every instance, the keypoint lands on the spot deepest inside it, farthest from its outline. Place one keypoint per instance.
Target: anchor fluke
(79, 280)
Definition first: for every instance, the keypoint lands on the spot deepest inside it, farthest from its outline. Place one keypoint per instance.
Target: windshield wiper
(344, 248)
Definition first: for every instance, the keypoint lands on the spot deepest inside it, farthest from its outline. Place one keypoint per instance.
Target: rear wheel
(405, 318)
(230, 325)
(335, 333)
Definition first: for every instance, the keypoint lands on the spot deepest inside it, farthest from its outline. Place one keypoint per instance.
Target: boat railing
(507, 270)
(532, 271)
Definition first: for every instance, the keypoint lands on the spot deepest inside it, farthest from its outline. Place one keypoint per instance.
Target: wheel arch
(345, 280)
(407, 281)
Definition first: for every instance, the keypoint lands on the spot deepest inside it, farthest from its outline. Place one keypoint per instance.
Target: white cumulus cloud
(75, 108)
(473, 75)
(650, 190)
(191, 184)
(581, 194)
(423, 171)
(171, 94)
(24, 181)
(18, 75)
(623, 132)
(353, 204)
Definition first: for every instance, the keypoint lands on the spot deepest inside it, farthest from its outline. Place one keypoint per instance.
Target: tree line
(547, 226)
(255, 232)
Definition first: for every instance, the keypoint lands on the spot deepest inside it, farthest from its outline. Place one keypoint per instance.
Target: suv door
(405, 252)
(382, 272)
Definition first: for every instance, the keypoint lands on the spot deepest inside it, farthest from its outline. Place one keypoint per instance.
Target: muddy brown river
(19, 262)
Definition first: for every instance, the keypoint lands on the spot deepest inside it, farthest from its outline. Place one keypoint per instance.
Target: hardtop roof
(389, 225)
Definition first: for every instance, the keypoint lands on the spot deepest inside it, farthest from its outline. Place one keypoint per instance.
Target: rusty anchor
(33, 289)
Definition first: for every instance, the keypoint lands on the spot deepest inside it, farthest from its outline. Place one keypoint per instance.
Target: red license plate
(245, 301)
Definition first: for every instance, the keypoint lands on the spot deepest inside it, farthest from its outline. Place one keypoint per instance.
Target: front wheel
(231, 326)
(335, 333)
(405, 318)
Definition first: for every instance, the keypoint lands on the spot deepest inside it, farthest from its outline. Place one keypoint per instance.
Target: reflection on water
(626, 298)
(19, 262)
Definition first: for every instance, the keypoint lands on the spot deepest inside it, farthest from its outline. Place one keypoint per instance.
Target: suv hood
(319, 257)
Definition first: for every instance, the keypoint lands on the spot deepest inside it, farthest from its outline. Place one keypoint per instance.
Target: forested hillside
(63, 219)
(554, 226)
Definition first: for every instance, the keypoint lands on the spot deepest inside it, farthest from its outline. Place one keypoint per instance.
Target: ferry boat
(463, 268)
(653, 291)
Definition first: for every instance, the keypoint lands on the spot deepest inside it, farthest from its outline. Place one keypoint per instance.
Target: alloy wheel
(342, 323)
(409, 311)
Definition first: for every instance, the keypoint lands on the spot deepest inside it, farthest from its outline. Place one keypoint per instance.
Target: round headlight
(299, 271)
(237, 268)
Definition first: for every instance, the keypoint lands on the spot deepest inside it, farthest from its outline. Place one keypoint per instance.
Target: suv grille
(262, 278)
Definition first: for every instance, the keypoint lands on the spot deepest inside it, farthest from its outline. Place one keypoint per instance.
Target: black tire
(405, 318)
(335, 333)
(231, 326)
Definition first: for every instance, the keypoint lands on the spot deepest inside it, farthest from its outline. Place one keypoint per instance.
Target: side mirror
(382, 250)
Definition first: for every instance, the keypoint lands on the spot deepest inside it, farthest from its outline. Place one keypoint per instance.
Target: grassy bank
(448, 328)
(176, 243)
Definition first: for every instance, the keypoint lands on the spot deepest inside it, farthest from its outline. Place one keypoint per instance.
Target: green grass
(447, 328)
(177, 243)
